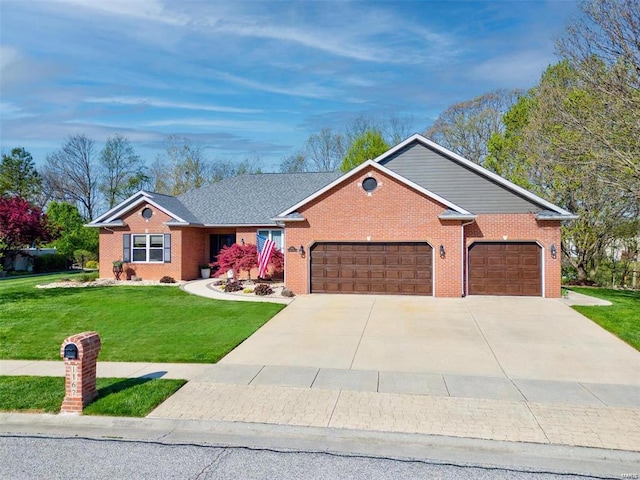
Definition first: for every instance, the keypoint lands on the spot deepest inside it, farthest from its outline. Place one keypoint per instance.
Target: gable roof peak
(488, 174)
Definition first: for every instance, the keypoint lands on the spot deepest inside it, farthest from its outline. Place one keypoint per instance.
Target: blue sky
(248, 79)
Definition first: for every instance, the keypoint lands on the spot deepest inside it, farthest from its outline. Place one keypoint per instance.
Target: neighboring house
(417, 220)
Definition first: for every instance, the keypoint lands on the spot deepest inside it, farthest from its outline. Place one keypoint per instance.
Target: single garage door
(376, 268)
(509, 268)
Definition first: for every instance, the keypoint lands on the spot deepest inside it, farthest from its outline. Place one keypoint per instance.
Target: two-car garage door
(374, 268)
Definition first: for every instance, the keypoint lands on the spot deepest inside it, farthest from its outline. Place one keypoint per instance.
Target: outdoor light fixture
(441, 251)
(242, 241)
(301, 250)
(554, 252)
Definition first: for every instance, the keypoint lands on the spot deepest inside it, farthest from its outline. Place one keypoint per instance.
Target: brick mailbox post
(80, 354)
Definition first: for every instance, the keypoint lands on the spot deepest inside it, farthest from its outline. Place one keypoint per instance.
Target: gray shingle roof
(250, 199)
(175, 206)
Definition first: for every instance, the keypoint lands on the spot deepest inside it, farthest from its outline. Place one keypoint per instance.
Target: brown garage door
(505, 269)
(392, 268)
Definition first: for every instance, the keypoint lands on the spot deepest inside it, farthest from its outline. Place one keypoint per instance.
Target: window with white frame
(277, 236)
(147, 248)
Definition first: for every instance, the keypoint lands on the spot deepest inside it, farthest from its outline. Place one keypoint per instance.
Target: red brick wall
(523, 227)
(395, 212)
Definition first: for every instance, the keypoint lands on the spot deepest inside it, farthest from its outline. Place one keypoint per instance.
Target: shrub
(82, 256)
(233, 286)
(87, 277)
(287, 293)
(238, 258)
(52, 262)
(92, 264)
(263, 289)
(167, 279)
(247, 290)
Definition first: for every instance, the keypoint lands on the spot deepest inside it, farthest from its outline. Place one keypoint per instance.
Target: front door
(217, 241)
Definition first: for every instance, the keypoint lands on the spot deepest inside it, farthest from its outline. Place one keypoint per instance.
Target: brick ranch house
(417, 220)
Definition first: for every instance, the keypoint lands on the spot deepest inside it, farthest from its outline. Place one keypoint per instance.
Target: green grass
(136, 324)
(122, 397)
(622, 318)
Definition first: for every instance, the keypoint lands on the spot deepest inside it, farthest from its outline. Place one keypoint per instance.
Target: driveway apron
(508, 337)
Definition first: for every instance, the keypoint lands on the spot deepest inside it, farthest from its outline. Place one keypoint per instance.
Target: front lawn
(122, 397)
(136, 324)
(622, 318)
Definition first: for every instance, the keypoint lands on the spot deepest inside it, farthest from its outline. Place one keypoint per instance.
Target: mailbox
(80, 353)
(70, 352)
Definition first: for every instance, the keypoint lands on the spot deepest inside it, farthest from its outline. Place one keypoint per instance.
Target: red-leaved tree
(21, 225)
(244, 258)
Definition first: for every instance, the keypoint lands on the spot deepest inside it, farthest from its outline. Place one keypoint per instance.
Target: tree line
(574, 139)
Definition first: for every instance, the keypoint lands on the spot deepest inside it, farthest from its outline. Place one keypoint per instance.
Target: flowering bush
(244, 258)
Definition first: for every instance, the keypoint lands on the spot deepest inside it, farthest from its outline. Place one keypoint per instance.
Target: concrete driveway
(512, 337)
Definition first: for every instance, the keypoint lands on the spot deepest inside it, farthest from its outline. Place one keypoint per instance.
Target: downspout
(463, 256)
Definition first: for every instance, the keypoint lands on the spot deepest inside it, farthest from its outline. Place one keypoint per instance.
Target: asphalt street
(39, 457)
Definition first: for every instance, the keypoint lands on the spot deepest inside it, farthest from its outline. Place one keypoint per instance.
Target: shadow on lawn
(127, 383)
(610, 294)
(39, 294)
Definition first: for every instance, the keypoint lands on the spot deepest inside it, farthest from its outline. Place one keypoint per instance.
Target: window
(276, 235)
(369, 184)
(147, 248)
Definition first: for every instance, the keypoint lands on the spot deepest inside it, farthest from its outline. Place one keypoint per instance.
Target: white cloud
(153, 102)
(11, 111)
(519, 69)
(308, 90)
(151, 10)
(248, 125)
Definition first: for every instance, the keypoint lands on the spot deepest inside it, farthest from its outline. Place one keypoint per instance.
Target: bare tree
(325, 150)
(71, 174)
(180, 168)
(294, 163)
(603, 48)
(122, 169)
(466, 127)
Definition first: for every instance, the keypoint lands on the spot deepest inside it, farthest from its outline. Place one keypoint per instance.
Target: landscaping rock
(287, 293)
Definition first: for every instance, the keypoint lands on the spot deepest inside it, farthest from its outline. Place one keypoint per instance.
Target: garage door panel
(392, 260)
(505, 268)
(393, 268)
(392, 274)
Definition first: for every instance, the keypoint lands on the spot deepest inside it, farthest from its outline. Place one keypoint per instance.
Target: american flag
(265, 249)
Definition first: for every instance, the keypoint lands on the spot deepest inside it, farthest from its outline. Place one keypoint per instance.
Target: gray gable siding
(456, 182)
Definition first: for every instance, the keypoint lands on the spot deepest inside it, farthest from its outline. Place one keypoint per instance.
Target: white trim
(290, 219)
(542, 264)
(118, 207)
(464, 274)
(270, 236)
(433, 261)
(143, 199)
(543, 273)
(147, 248)
(473, 166)
(443, 216)
(556, 217)
(384, 170)
(103, 225)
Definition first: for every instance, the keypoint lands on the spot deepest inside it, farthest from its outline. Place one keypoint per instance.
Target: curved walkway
(205, 288)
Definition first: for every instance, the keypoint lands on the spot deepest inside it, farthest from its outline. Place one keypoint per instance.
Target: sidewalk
(55, 368)
(343, 400)
(558, 413)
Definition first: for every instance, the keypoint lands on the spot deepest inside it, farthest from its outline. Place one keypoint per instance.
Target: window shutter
(167, 248)
(126, 247)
